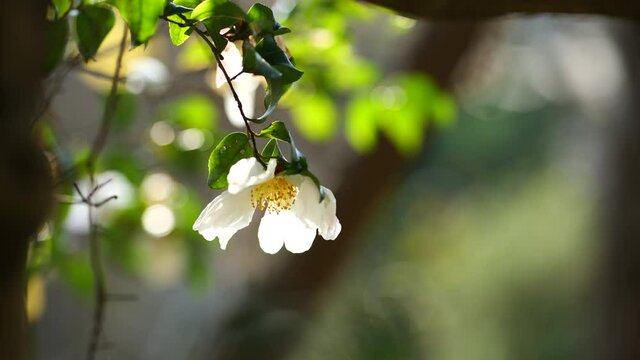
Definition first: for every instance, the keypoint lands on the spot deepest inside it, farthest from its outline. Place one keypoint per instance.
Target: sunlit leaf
(224, 11)
(93, 23)
(178, 34)
(277, 130)
(141, 16)
(232, 148)
(61, 6)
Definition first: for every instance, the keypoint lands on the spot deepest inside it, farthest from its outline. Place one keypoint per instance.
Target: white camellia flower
(245, 85)
(292, 212)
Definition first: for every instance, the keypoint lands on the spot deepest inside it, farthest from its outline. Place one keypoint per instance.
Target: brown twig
(94, 240)
(216, 54)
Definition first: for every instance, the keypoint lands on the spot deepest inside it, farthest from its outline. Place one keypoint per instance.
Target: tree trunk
(472, 9)
(25, 185)
(619, 334)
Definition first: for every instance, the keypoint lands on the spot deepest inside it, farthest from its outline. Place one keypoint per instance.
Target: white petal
(224, 216)
(330, 226)
(231, 109)
(270, 234)
(284, 228)
(249, 172)
(320, 215)
(232, 62)
(245, 86)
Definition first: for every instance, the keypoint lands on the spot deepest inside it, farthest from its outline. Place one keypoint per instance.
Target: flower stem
(217, 54)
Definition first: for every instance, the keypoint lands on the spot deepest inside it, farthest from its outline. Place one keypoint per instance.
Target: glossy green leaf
(274, 55)
(271, 149)
(93, 23)
(176, 7)
(315, 116)
(61, 7)
(141, 16)
(277, 130)
(224, 11)
(275, 90)
(261, 18)
(231, 148)
(178, 11)
(56, 38)
(217, 15)
(178, 34)
(252, 62)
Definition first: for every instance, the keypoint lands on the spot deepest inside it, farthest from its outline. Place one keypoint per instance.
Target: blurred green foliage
(341, 92)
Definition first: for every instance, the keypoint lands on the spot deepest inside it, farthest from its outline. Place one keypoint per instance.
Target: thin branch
(94, 240)
(216, 54)
(100, 75)
(219, 58)
(109, 109)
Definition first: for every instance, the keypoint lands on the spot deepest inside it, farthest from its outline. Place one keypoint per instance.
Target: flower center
(274, 195)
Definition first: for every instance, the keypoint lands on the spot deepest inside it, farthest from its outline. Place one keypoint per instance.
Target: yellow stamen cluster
(274, 195)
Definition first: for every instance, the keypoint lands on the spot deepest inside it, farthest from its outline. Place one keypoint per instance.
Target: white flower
(245, 85)
(292, 212)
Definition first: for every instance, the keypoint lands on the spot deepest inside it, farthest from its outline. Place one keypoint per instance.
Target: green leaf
(61, 7)
(56, 38)
(253, 63)
(274, 55)
(217, 15)
(141, 16)
(315, 116)
(261, 18)
(271, 149)
(275, 90)
(224, 11)
(175, 8)
(231, 148)
(177, 11)
(93, 23)
(277, 130)
(179, 34)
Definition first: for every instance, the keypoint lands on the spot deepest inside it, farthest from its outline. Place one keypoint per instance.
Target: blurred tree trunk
(619, 333)
(253, 330)
(24, 176)
(471, 9)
